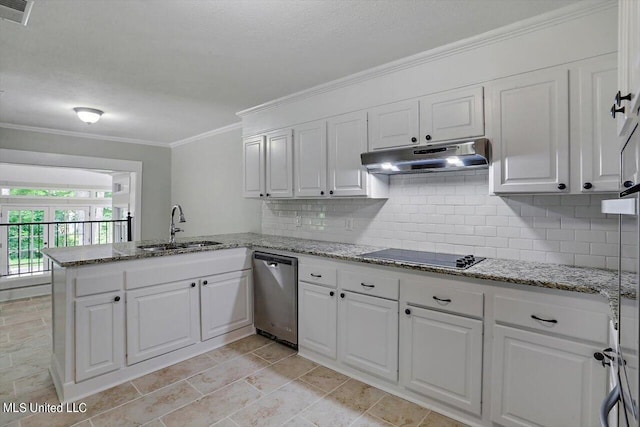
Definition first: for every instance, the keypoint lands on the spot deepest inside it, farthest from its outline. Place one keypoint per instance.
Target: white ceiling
(166, 70)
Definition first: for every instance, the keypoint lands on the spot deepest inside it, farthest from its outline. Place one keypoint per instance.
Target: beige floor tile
(41, 339)
(12, 424)
(5, 361)
(213, 407)
(24, 325)
(367, 420)
(399, 412)
(324, 378)
(33, 383)
(226, 373)
(298, 422)
(280, 373)
(344, 405)
(225, 423)
(85, 423)
(22, 319)
(238, 348)
(156, 423)
(274, 352)
(39, 357)
(436, 420)
(148, 407)
(173, 373)
(279, 406)
(23, 370)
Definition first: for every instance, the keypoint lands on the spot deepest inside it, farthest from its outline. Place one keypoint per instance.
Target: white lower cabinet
(225, 303)
(317, 308)
(541, 380)
(99, 335)
(161, 318)
(368, 334)
(441, 357)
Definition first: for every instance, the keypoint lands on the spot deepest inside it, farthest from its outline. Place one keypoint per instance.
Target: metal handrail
(78, 236)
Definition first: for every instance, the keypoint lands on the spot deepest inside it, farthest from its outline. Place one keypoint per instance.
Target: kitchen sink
(182, 245)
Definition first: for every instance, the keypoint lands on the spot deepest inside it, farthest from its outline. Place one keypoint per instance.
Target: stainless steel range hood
(470, 154)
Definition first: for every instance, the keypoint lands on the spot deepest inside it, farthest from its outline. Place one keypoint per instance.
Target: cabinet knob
(615, 110)
(414, 139)
(627, 184)
(620, 98)
(330, 191)
(193, 285)
(261, 195)
(428, 137)
(268, 194)
(407, 311)
(587, 185)
(562, 186)
(342, 295)
(205, 282)
(331, 293)
(322, 193)
(116, 299)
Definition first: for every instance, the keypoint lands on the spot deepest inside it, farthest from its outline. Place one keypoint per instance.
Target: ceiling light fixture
(88, 115)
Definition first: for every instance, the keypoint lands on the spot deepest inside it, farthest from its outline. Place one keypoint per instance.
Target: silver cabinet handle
(442, 301)
(368, 286)
(540, 319)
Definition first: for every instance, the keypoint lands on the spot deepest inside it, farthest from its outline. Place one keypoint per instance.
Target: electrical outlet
(298, 221)
(348, 224)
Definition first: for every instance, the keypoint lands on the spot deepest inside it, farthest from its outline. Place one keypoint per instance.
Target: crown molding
(218, 131)
(82, 135)
(516, 29)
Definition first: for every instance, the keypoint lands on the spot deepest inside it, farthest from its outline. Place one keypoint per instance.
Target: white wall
(51, 177)
(156, 168)
(452, 212)
(207, 183)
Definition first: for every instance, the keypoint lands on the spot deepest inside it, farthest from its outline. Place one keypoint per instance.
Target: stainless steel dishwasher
(275, 296)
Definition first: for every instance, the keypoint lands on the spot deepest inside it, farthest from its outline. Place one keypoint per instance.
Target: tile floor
(251, 382)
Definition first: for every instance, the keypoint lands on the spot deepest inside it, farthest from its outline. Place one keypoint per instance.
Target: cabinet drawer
(446, 299)
(575, 323)
(369, 284)
(100, 283)
(318, 274)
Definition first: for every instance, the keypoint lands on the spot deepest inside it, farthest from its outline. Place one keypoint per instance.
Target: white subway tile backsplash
(453, 212)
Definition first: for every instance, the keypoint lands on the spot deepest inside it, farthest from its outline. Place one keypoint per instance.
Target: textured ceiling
(165, 70)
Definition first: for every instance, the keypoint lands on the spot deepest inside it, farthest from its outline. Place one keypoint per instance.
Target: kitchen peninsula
(203, 288)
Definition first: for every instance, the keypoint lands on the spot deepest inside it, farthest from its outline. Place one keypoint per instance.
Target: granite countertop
(569, 278)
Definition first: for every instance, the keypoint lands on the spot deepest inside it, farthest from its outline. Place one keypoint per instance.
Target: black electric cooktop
(425, 258)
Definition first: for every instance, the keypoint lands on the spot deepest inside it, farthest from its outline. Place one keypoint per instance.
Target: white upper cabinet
(310, 163)
(595, 162)
(530, 132)
(279, 164)
(254, 185)
(393, 125)
(628, 65)
(347, 140)
(452, 115)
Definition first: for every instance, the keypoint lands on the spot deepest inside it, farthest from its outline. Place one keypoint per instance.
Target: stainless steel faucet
(173, 229)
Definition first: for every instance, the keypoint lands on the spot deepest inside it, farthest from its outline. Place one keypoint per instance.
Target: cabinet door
(530, 133)
(279, 164)
(539, 380)
(160, 319)
(99, 335)
(317, 317)
(347, 140)
(441, 357)
(225, 303)
(393, 125)
(452, 115)
(593, 133)
(368, 334)
(254, 167)
(628, 63)
(310, 165)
